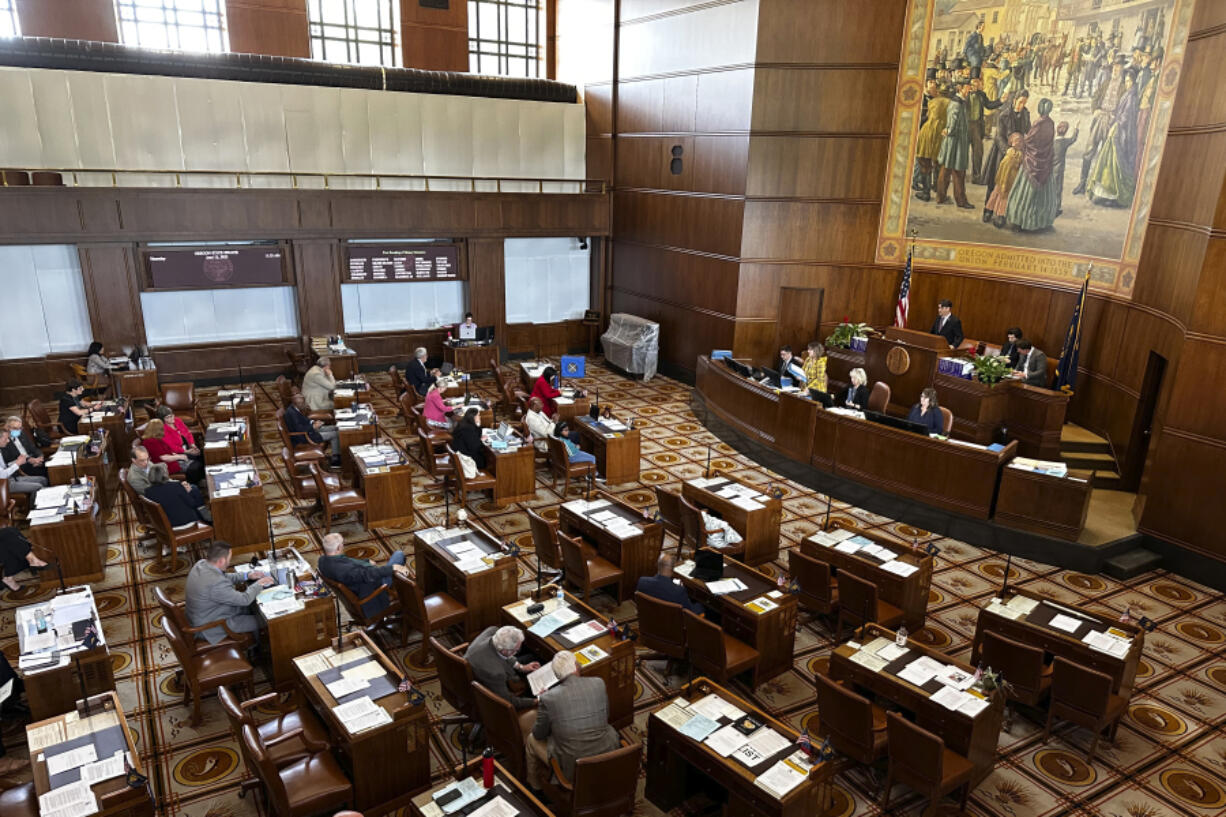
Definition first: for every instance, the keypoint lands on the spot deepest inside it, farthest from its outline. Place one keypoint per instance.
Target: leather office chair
(204, 666)
(496, 370)
(302, 481)
(716, 654)
(12, 177)
(521, 400)
(605, 785)
(559, 463)
(272, 732)
(1083, 696)
(437, 460)
(919, 759)
(483, 481)
(335, 501)
(661, 630)
(181, 399)
(455, 677)
(299, 364)
(879, 397)
(501, 725)
(669, 505)
(93, 383)
(695, 532)
(818, 589)
(47, 178)
(509, 402)
(171, 539)
(426, 614)
(545, 541)
(855, 726)
(438, 436)
(37, 417)
(315, 784)
(285, 391)
(138, 508)
(1019, 664)
(19, 801)
(397, 381)
(303, 449)
(857, 599)
(354, 605)
(947, 420)
(8, 505)
(588, 571)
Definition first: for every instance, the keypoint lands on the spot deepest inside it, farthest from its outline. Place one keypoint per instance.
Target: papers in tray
(589, 655)
(780, 779)
(548, 624)
(40, 737)
(1005, 611)
(584, 632)
(1110, 644)
(719, 588)
(361, 714)
(747, 504)
(495, 808)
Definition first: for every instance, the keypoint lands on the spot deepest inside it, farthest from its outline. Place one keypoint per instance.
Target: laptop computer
(708, 566)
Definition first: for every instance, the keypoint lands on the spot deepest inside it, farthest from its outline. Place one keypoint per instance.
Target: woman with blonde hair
(815, 366)
(160, 450)
(856, 395)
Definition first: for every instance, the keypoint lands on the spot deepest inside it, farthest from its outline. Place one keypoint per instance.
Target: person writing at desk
(9, 469)
(20, 444)
(318, 385)
(434, 409)
(927, 412)
(466, 441)
(160, 451)
(572, 722)
(495, 661)
(856, 395)
(468, 329)
(359, 575)
(815, 366)
(1031, 365)
(73, 406)
(181, 501)
(97, 362)
(211, 595)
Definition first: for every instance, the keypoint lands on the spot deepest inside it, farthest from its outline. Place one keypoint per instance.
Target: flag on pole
(1066, 369)
(904, 294)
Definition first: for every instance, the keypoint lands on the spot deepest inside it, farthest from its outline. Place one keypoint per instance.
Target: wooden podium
(906, 361)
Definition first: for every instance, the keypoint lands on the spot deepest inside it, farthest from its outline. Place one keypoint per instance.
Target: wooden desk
(354, 426)
(484, 593)
(104, 726)
(973, 737)
(136, 384)
(529, 371)
(386, 763)
(1041, 503)
(345, 364)
(237, 403)
(772, 634)
(910, 593)
(513, 470)
(635, 555)
(114, 420)
(616, 670)
(1035, 629)
(218, 446)
(349, 393)
(385, 478)
(240, 519)
(97, 465)
(473, 358)
(74, 540)
(507, 787)
(52, 691)
(298, 632)
(570, 405)
(759, 527)
(616, 452)
(678, 766)
(459, 406)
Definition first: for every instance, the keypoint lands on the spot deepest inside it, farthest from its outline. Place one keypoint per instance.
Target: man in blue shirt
(664, 587)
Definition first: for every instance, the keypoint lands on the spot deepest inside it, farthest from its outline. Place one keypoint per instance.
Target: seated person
(418, 375)
(572, 722)
(73, 406)
(176, 433)
(15, 556)
(927, 412)
(318, 385)
(97, 363)
(573, 452)
(466, 441)
(436, 411)
(211, 594)
(1008, 349)
(359, 575)
(10, 470)
(160, 451)
(856, 395)
(181, 501)
(664, 587)
(494, 658)
(790, 367)
(538, 425)
(815, 366)
(22, 443)
(468, 329)
(1031, 365)
(302, 429)
(138, 471)
(546, 391)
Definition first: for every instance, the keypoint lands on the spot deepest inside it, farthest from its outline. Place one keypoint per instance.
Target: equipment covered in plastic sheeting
(632, 344)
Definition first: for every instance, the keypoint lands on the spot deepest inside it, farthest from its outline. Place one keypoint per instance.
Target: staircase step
(1106, 480)
(1132, 563)
(1068, 446)
(1089, 462)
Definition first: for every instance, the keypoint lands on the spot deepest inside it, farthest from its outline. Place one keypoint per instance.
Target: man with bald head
(359, 575)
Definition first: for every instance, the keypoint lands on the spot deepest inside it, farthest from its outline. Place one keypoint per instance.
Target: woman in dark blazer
(856, 395)
(466, 437)
(927, 412)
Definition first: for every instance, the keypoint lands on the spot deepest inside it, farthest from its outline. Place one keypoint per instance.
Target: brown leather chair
(204, 666)
(559, 463)
(919, 759)
(438, 436)
(661, 630)
(397, 381)
(483, 481)
(669, 505)
(334, 501)
(1083, 696)
(455, 677)
(181, 399)
(8, 505)
(37, 417)
(588, 571)
(545, 541)
(170, 538)
(47, 178)
(304, 450)
(695, 533)
(93, 383)
(11, 177)
(947, 420)
(496, 370)
(854, 725)
(285, 391)
(302, 481)
(605, 785)
(1029, 679)
(436, 458)
(509, 402)
(272, 732)
(858, 598)
(354, 605)
(716, 654)
(500, 722)
(299, 364)
(879, 397)
(312, 785)
(19, 801)
(818, 590)
(426, 614)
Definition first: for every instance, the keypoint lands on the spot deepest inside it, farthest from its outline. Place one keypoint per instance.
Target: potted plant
(843, 334)
(990, 369)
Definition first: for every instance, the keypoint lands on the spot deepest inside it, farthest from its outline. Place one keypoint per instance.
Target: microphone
(1004, 585)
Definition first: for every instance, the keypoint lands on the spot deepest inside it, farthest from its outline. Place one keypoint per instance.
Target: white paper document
(673, 715)
(710, 706)
(947, 697)
(495, 808)
(1105, 642)
(360, 715)
(343, 687)
(972, 705)
(891, 652)
(780, 779)
(698, 727)
(584, 632)
(590, 655)
(68, 798)
(71, 760)
(768, 741)
(725, 741)
(719, 588)
(312, 665)
(364, 672)
(1066, 623)
(103, 769)
(899, 568)
(868, 660)
(542, 679)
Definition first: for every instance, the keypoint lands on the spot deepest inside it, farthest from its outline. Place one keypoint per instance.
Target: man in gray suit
(572, 722)
(1031, 365)
(211, 594)
(493, 656)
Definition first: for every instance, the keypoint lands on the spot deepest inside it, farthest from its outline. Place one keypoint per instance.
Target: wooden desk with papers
(529, 371)
(903, 574)
(461, 404)
(81, 456)
(66, 523)
(1059, 629)
(87, 748)
(381, 472)
(235, 404)
(968, 720)
(381, 741)
(345, 362)
(761, 615)
(620, 532)
(1043, 503)
(136, 384)
(470, 356)
(518, 801)
(297, 621)
(348, 393)
(512, 464)
(224, 442)
(483, 577)
(615, 446)
(354, 426)
(113, 418)
(755, 516)
(236, 498)
(55, 664)
(598, 652)
(694, 745)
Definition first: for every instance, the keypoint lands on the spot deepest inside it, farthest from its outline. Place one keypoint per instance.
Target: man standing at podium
(947, 325)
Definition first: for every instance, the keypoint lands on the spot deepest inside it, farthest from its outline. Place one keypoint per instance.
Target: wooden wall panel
(819, 100)
(709, 164)
(1185, 191)
(112, 294)
(817, 167)
(1184, 496)
(709, 35)
(809, 231)
(434, 39)
(487, 283)
(711, 225)
(317, 268)
(1196, 407)
(277, 28)
(829, 31)
(1201, 70)
(724, 101)
(1209, 314)
(671, 276)
(1171, 258)
(69, 19)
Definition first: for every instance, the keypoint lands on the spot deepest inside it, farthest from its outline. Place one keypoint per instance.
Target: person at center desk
(97, 362)
(303, 429)
(856, 394)
(318, 384)
(572, 722)
(664, 587)
(466, 440)
(927, 412)
(436, 412)
(546, 391)
(73, 406)
(496, 663)
(948, 325)
(790, 367)
(815, 366)
(1031, 365)
(538, 425)
(1013, 336)
(468, 329)
(359, 575)
(211, 594)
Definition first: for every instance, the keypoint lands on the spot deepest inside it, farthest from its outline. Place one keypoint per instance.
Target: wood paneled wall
(434, 39)
(69, 19)
(274, 27)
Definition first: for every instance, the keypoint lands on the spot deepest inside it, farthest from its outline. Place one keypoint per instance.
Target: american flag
(904, 295)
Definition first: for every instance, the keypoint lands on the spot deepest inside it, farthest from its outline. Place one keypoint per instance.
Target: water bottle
(40, 621)
(560, 596)
(900, 637)
(487, 767)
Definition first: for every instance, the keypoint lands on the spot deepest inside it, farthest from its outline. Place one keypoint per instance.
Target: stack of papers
(719, 588)
(968, 703)
(675, 714)
(762, 744)
(921, 671)
(549, 623)
(869, 660)
(715, 707)
(589, 655)
(683, 569)
(361, 714)
(781, 778)
(1108, 642)
(74, 800)
(726, 740)
(584, 632)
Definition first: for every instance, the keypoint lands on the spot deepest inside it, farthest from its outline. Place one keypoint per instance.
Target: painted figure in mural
(955, 154)
(1059, 154)
(1015, 119)
(1112, 180)
(1034, 200)
(930, 138)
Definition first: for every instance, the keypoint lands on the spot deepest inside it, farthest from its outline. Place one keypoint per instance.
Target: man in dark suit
(302, 429)
(360, 576)
(947, 325)
(418, 375)
(495, 661)
(1031, 365)
(572, 722)
(1013, 335)
(664, 587)
(22, 442)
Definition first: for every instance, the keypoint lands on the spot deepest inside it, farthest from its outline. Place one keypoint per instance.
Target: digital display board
(214, 267)
(374, 263)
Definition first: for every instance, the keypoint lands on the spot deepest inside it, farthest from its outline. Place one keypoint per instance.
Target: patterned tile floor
(1169, 758)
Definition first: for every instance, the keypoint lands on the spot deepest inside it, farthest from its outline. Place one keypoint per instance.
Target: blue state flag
(574, 366)
(1066, 369)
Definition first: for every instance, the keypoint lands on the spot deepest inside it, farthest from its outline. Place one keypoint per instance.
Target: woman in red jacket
(544, 389)
(160, 450)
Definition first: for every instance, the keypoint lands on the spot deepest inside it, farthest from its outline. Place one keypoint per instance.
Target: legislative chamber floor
(1169, 757)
